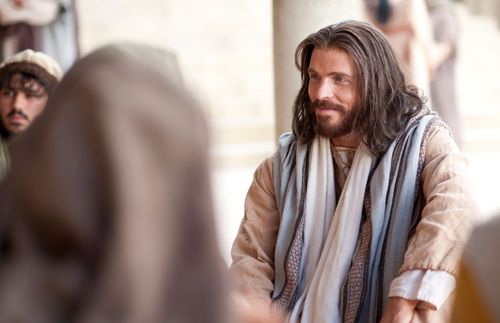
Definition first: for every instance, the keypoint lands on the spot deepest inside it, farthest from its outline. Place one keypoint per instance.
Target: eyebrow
(312, 70)
(28, 90)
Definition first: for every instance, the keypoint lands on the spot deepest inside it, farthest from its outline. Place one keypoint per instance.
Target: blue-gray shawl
(393, 191)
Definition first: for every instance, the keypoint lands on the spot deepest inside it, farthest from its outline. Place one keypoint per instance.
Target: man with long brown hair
(362, 213)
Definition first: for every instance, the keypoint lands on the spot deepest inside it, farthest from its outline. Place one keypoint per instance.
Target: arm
(399, 310)
(449, 211)
(429, 287)
(430, 266)
(253, 248)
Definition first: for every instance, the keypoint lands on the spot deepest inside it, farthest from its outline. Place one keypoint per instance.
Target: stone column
(293, 20)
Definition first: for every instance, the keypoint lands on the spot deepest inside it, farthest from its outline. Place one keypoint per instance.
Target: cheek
(4, 107)
(37, 108)
(310, 92)
(347, 97)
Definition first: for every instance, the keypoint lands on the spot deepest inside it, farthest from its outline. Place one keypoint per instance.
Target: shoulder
(264, 171)
(438, 140)
(286, 140)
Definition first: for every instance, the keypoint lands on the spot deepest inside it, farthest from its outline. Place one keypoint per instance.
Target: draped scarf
(317, 239)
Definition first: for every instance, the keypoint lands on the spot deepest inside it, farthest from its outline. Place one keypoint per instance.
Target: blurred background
(229, 52)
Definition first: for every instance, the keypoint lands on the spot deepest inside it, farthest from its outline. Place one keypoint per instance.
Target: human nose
(324, 90)
(19, 101)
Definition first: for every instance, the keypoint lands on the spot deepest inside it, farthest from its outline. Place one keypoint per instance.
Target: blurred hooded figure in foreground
(107, 214)
(478, 286)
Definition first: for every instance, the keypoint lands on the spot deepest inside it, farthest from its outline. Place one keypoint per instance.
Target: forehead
(332, 60)
(19, 81)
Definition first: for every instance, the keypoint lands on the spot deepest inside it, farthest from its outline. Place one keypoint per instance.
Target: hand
(399, 310)
(252, 311)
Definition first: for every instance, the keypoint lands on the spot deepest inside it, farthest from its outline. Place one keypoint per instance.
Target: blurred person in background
(407, 26)
(27, 79)
(443, 80)
(423, 33)
(478, 288)
(50, 26)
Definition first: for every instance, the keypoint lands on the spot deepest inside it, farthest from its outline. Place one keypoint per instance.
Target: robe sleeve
(449, 210)
(253, 249)
(431, 288)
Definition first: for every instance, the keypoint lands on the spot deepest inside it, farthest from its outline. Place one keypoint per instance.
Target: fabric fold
(330, 232)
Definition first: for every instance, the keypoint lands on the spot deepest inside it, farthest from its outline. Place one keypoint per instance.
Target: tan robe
(106, 215)
(447, 216)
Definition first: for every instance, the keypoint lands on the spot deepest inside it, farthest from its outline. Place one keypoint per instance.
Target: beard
(323, 125)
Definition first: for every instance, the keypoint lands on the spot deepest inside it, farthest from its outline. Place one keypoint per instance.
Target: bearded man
(27, 79)
(363, 211)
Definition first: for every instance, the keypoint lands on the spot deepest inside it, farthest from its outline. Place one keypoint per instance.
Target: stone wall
(224, 48)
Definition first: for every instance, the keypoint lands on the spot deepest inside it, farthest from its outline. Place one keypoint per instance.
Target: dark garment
(22, 36)
(107, 214)
(4, 157)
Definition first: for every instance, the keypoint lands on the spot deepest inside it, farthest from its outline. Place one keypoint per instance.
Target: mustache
(327, 105)
(20, 113)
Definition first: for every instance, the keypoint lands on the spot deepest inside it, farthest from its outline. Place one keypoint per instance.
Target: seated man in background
(27, 79)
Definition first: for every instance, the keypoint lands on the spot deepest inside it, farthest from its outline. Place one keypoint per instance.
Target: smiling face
(332, 90)
(22, 99)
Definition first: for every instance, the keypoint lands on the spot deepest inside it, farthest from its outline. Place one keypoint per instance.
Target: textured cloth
(104, 226)
(334, 251)
(36, 63)
(395, 207)
(356, 278)
(446, 216)
(430, 287)
(39, 59)
(393, 188)
(319, 206)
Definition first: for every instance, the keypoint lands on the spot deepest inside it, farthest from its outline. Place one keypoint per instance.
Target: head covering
(38, 64)
(114, 221)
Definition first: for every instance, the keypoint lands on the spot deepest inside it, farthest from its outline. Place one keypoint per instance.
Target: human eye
(313, 76)
(33, 95)
(7, 93)
(340, 79)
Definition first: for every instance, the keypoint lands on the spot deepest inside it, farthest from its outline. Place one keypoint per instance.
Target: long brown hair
(385, 101)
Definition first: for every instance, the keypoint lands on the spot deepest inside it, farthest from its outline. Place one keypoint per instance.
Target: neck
(351, 141)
